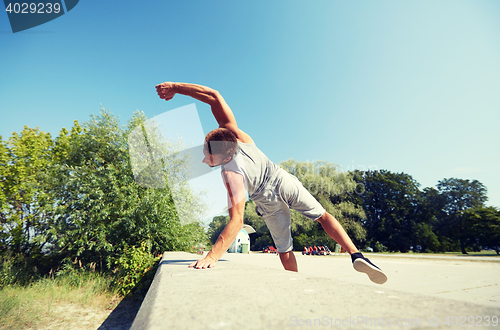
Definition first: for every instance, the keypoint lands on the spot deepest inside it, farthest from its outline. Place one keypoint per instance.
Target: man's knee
(323, 217)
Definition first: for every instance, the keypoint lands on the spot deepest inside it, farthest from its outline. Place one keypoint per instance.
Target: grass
(55, 301)
(483, 253)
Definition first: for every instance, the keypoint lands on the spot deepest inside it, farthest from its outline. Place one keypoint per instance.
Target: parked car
(324, 250)
(270, 249)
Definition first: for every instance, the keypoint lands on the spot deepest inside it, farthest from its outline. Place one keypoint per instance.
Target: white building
(241, 243)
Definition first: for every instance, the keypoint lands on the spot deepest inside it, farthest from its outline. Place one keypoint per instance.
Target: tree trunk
(462, 247)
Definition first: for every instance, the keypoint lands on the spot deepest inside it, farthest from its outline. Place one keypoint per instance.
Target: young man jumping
(274, 191)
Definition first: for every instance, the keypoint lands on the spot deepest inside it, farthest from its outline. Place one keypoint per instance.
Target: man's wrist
(176, 87)
(209, 255)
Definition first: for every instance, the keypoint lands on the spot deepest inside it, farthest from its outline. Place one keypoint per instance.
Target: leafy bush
(379, 247)
(17, 269)
(135, 269)
(7, 273)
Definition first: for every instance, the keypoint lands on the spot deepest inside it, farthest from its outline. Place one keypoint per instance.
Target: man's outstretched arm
(221, 111)
(236, 206)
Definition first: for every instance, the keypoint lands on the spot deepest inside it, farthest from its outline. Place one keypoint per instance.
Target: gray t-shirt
(257, 170)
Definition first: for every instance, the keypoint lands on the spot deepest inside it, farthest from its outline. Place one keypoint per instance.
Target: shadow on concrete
(122, 317)
(182, 261)
(177, 262)
(479, 255)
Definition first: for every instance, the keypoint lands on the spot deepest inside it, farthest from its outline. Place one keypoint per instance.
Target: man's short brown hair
(221, 141)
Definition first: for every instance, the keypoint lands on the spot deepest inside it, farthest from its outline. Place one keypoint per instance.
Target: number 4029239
(33, 8)
(462, 321)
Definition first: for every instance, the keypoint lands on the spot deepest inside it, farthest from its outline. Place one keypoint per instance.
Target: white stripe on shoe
(375, 274)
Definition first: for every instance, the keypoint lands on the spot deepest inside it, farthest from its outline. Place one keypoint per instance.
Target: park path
(467, 279)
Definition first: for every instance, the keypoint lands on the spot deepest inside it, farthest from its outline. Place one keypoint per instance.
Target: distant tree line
(450, 217)
(385, 211)
(72, 202)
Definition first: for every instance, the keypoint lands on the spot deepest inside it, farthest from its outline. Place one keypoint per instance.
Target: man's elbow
(214, 97)
(215, 93)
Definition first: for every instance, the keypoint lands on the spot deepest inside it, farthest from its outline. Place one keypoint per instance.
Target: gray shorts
(273, 204)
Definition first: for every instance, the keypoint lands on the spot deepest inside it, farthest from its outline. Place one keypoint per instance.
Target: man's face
(212, 160)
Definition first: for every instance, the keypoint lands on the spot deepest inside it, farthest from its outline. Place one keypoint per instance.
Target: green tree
(216, 227)
(390, 202)
(482, 225)
(24, 158)
(459, 195)
(427, 233)
(76, 200)
(101, 211)
(4, 163)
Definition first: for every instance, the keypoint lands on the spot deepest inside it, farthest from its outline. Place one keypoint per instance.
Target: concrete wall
(239, 294)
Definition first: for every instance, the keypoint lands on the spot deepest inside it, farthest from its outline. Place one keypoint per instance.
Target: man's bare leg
(289, 262)
(335, 230)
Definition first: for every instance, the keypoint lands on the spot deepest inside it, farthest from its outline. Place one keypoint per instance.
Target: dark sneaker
(363, 265)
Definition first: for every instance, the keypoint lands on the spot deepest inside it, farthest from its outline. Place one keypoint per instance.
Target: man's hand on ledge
(207, 262)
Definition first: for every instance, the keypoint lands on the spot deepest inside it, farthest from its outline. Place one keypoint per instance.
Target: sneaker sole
(375, 275)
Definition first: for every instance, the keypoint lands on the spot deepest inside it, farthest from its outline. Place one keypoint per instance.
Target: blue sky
(407, 86)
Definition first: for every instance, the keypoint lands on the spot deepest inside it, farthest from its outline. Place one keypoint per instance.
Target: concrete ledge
(240, 295)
